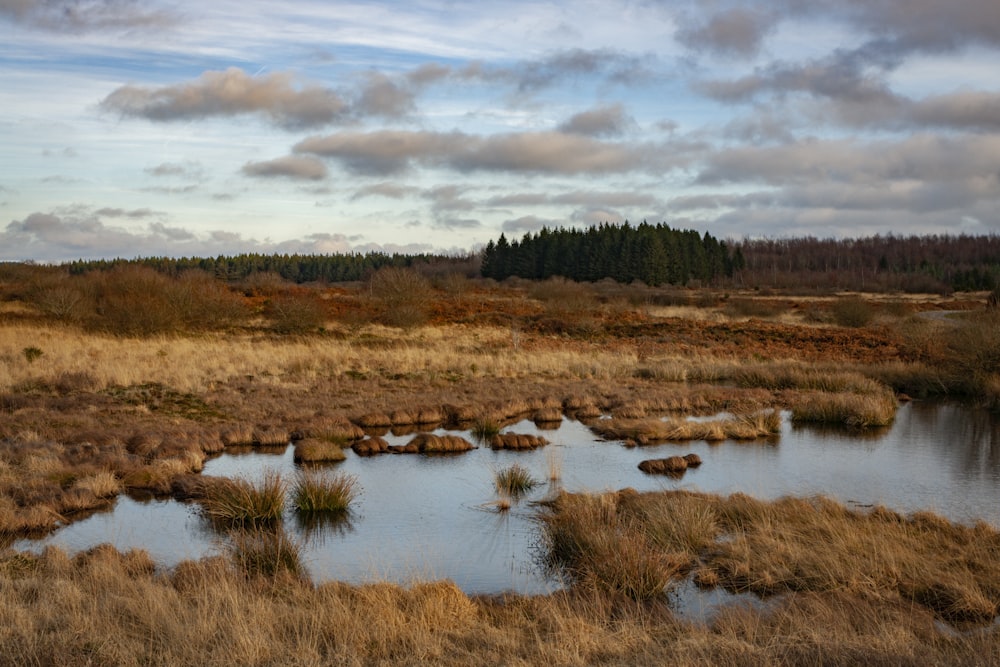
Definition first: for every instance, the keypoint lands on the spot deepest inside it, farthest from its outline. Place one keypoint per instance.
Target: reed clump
(316, 493)
(514, 481)
(239, 503)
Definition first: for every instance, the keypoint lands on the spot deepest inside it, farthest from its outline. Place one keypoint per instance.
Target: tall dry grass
(239, 503)
(846, 409)
(105, 607)
(196, 364)
(790, 545)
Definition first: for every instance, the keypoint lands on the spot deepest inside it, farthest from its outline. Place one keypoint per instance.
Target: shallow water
(430, 516)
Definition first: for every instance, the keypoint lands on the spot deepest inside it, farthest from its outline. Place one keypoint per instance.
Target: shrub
(401, 296)
(295, 313)
(138, 301)
(852, 312)
(747, 307)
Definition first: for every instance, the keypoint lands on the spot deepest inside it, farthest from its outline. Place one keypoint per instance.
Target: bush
(138, 301)
(401, 296)
(745, 307)
(295, 313)
(852, 312)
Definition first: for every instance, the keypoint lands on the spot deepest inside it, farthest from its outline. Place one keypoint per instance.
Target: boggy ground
(87, 412)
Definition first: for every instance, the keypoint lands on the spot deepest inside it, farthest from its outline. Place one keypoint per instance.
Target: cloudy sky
(198, 128)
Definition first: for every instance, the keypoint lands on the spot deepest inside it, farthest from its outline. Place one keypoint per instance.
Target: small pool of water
(431, 516)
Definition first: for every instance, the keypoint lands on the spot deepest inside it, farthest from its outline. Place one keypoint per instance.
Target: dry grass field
(91, 407)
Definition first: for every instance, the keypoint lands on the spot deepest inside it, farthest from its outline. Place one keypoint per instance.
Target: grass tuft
(239, 503)
(318, 451)
(852, 410)
(514, 481)
(266, 553)
(316, 493)
(485, 429)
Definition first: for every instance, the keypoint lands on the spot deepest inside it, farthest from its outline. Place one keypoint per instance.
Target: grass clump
(266, 553)
(630, 543)
(314, 493)
(239, 503)
(312, 450)
(596, 543)
(852, 410)
(650, 431)
(514, 481)
(485, 429)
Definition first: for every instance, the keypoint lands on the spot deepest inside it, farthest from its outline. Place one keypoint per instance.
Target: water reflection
(420, 516)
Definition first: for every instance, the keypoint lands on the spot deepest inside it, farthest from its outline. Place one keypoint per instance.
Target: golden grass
(241, 504)
(517, 441)
(106, 607)
(369, 446)
(791, 544)
(193, 364)
(513, 481)
(428, 443)
(853, 410)
(649, 431)
(318, 451)
(316, 493)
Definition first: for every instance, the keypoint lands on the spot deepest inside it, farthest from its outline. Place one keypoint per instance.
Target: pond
(431, 516)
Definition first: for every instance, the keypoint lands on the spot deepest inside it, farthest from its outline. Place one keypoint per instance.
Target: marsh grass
(851, 410)
(315, 493)
(265, 553)
(514, 481)
(238, 503)
(313, 450)
(852, 311)
(803, 545)
(649, 431)
(485, 429)
(113, 608)
(588, 537)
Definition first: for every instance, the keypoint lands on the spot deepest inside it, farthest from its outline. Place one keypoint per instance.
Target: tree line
(931, 263)
(653, 254)
(295, 268)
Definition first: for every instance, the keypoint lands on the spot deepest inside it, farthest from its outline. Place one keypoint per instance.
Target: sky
(134, 129)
